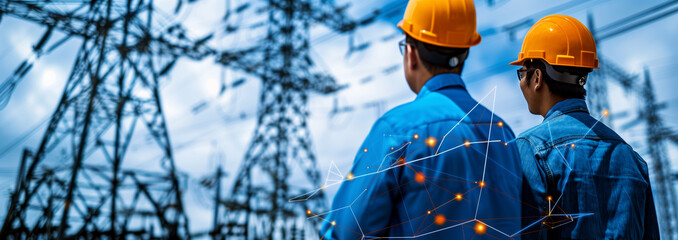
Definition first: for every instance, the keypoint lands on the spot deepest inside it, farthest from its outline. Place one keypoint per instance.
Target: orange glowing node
(500, 124)
(428, 212)
(416, 136)
(480, 228)
(431, 141)
(401, 160)
(481, 184)
(505, 144)
(458, 197)
(549, 198)
(391, 148)
(365, 150)
(308, 212)
(334, 223)
(419, 177)
(440, 220)
(572, 145)
(467, 143)
(606, 113)
(349, 177)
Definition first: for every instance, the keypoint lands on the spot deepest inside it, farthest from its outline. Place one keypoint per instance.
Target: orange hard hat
(445, 23)
(561, 41)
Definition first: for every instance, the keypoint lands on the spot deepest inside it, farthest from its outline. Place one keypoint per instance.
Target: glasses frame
(402, 46)
(522, 73)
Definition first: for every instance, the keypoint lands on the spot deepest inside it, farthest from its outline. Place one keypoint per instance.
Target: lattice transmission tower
(74, 184)
(664, 189)
(259, 206)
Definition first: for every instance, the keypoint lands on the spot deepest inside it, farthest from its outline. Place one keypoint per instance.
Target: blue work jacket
(583, 180)
(427, 169)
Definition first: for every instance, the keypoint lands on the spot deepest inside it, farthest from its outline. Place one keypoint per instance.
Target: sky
(217, 135)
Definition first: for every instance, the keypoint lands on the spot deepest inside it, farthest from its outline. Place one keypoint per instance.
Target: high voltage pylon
(259, 206)
(84, 191)
(660, 167)
(657, 137)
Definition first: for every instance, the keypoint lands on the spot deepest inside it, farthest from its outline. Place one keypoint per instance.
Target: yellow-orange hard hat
(445, 23)
(560, 41)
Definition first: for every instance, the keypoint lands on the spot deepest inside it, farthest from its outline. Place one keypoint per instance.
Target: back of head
(562, 48)
(559, 79)
(442, 32)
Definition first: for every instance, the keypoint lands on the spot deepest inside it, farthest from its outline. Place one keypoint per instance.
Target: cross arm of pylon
(325, 84)
(335, 17)
(250, 60)
(37, 13)
(629, 81)
(76, 22)
(671, 135)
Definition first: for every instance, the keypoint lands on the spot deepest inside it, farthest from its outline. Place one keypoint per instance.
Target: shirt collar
(441, 81)
(567, 106)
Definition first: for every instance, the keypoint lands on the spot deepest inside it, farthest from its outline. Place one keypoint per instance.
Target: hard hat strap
(565, 77)
(440, 59)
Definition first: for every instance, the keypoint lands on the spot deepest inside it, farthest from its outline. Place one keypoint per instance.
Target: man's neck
(424, 78)
(549, 102)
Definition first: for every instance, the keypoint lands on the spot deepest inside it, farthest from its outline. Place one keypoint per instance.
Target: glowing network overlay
(550, 219)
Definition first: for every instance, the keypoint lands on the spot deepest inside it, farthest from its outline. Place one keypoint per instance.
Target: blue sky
(216, 135)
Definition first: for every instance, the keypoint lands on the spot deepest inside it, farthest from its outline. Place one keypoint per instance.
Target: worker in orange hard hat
(439, 167)
(584, 180)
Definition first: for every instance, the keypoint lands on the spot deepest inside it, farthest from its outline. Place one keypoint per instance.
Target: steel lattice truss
(113, 87)
(259, 207)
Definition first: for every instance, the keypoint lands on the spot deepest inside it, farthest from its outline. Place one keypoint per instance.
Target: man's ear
(412, 57)
(537, 79)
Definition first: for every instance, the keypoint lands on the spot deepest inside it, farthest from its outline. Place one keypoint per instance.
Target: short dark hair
(436, 69)
(560, 89)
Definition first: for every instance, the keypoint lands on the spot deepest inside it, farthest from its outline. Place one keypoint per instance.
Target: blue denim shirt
(583, 180)
(420, 172)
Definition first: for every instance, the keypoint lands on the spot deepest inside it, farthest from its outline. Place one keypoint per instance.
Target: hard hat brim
(517, 62)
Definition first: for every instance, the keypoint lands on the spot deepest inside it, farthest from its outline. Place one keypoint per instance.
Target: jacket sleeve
(534, 188)
(630, 203)
(649, 224)
(363, 204)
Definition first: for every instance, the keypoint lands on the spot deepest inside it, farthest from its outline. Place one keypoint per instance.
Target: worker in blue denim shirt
(438, 167)
(582, 180)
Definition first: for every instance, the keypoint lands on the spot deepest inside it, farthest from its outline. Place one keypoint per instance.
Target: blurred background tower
(664, 188)
(281, 150)
(74, 184)
(657, 134)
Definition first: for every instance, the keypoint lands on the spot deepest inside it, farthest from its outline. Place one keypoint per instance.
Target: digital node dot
(440, 219)
(480, 228)
(419, 177)
(431, 141)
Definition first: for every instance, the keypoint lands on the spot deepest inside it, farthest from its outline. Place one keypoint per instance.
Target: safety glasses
(521, 73)
(401, 45)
